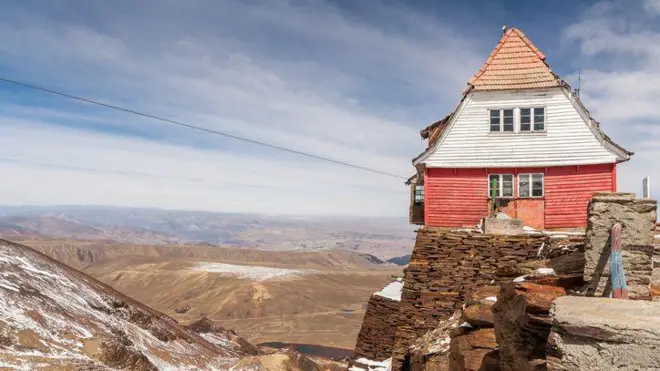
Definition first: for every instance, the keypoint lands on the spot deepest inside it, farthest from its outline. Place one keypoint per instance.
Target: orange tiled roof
(515, 63)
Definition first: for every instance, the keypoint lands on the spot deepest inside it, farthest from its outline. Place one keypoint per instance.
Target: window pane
(537, 185)
(496, 180)
(539, 118)
(419, 194)
(494, 120)
(507, 185)
(507, 118)
(525, 119)
(523, 185)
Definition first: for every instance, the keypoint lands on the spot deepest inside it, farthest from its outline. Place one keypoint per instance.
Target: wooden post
(493, 196)
(617, 273)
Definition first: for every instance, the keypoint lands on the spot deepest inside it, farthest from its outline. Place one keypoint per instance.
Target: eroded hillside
(53, 317)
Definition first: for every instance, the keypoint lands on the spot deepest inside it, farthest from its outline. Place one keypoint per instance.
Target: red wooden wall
(455, 197)
(568, 190)
(459, 197)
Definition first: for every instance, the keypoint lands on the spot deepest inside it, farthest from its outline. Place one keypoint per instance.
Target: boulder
(476, 350)
(603, 334)
(522, 324)
(479, 314)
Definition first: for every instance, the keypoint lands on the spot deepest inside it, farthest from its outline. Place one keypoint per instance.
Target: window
(419, 194)
(501, 120)
(530, 185)
(532, 119)
(503, 184)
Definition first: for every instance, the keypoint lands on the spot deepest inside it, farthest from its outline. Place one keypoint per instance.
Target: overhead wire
(194, 127)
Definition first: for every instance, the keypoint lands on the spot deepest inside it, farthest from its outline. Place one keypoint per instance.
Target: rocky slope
(53, 317)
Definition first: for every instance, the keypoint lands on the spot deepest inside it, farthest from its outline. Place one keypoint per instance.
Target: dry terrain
(383, 237)
(308, 297)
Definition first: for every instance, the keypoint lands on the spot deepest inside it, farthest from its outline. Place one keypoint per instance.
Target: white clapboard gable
(570, 137)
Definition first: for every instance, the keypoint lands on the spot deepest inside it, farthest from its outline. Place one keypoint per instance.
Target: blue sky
(354, 81)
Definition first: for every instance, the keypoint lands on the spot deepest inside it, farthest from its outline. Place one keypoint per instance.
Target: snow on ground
(392, 290)
(385, 365)
(251, 272)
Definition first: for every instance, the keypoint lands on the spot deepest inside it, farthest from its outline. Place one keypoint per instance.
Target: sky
(352, 81)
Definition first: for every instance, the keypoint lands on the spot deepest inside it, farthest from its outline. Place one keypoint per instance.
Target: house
(521, 132)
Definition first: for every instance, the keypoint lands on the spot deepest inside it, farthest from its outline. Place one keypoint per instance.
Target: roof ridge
(528, 61)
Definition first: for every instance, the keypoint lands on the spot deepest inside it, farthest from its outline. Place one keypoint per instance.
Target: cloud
(305, 75)
(619, 44)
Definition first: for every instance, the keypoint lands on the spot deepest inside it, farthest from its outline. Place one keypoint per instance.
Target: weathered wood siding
(459, 197)
(568, 191)
(568, 139)
(455, 197)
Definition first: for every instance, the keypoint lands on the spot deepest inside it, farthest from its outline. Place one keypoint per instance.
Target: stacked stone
(376, 336)
(638, 219)
(446, 267)
(522, 324)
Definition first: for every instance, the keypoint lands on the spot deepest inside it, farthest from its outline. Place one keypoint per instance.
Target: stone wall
(376, 336)
(446, 267)
(594, 334)
(638, 218)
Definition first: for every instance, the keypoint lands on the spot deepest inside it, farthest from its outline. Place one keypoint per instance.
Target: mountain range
(385, 238)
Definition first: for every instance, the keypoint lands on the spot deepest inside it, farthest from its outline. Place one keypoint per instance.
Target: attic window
(501, 120)
(419, 194)
(532, 119)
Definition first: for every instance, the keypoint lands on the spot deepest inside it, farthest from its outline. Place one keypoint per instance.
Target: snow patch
(392, 290)
(492, 298)
(546, 272)
(251, 272)
(385, 365)
(465, 325)
(520, 279)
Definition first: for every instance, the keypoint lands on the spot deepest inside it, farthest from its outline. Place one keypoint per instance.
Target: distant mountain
(58, 226)
(382, 237)
(401, 260)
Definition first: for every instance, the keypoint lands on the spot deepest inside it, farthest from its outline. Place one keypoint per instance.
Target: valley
(302, 297)
(273, 280)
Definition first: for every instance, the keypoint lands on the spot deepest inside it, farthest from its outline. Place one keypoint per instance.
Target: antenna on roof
(577, 91)
(503, 28)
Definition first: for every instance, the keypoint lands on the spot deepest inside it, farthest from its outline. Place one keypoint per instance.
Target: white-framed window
(419, 194)
(501, 120)
(530, 185)
(532, 119)
(503, 184)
